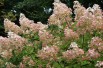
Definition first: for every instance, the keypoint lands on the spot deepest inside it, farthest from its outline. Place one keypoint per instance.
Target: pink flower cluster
(89, 19)
(91, 54)
(78, 10)
(95, 48)
(18, 42)
(48, 53)
(7, 45)
(26, 61)
(61, 14)
(97, 43)
(11, 26)
(10, 65)
(73, 53)
(45, 37)
(27, 24)
(70, 34)
(5, 48)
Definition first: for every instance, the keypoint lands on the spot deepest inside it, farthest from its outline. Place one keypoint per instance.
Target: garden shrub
(61, 43)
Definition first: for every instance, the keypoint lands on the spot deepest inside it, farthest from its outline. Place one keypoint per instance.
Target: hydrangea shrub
(61, 43)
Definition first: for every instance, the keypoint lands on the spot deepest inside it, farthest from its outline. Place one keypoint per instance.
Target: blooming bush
(62, 43)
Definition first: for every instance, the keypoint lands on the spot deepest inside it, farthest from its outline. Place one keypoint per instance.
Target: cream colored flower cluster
(99, 64)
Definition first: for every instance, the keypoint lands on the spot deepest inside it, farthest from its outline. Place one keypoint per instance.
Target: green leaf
(28, 50)
(85, 63)
(56, 65)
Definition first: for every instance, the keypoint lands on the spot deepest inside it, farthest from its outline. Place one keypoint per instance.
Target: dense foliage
(63, 42)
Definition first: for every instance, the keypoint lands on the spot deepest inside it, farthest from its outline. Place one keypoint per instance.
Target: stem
(82, 41)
